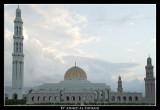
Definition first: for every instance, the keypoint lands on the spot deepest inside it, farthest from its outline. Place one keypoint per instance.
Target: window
(20, 47)
(17, 47)
(15, 96)
(44, 98)
(19, 30)
(33, 98)
(38, 98)
(130, 98)
(73, 98)
(113, 98)
(124, 98)
(50, 98)
(56, 98)
(67, 98)
(136, 98)
(119, 98)
(79, 98)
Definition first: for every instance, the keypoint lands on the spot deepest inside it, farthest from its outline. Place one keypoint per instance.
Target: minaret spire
(75, 63)
(119, 89)
(17, 58)
(149, 80)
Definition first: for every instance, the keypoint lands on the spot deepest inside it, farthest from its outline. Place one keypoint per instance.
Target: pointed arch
(124, 98)
(15, 96)
(136, 98)
(118, 98)
(112, 98)
(67, 98)
(79, 98)
(130, 98)
(33, 98)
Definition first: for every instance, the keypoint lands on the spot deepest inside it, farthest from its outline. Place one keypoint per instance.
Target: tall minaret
(119, 89)
(18, 57)
(149, 80)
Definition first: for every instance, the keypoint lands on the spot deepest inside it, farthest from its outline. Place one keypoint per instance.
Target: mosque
(75, 88)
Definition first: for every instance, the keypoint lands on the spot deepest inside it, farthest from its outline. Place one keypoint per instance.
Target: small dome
(18, 12)
(18, 9)
(75, 73)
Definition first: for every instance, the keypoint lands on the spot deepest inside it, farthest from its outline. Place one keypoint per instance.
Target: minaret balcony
(18, 36)
(149, 79)
(18, 54)
(18, 20)
(149, 66)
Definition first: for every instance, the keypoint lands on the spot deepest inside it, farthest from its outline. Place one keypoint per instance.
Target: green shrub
(102, 103)
(78, 103)
(72, 103)
(85, 103)
(57, 103)
(15, 101)
(92, 103)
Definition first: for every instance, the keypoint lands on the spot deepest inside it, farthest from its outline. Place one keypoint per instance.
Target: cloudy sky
(104, 40)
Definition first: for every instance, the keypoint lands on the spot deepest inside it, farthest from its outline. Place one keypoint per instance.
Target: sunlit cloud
(153, 40)
(127, 77)
(132, 60)
(137, 43)
(130, 50)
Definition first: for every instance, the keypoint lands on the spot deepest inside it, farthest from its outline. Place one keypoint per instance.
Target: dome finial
(119, 77)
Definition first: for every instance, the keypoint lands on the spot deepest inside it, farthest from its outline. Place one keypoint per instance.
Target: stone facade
(125, 97)
(70, 92)
(68, 97)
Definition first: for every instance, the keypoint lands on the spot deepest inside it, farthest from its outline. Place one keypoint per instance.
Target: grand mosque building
(75, 88)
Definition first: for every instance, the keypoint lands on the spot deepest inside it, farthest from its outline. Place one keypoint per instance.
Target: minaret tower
(18, 58)
(149, 80)
(119, 89)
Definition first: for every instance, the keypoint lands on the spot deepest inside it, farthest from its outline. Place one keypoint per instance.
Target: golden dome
(75, 73)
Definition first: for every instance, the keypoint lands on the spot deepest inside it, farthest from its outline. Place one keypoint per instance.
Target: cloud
(51, 39)
(137, 43)
(130, 50)
(131, 86)
(76, 37)
(81, 18)
(127, 23)
(128, 78)
(43, 64)
(153, 40)
(79, 52)
(132, 60)
(56, 23)
(124, 21)
(8, 56)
